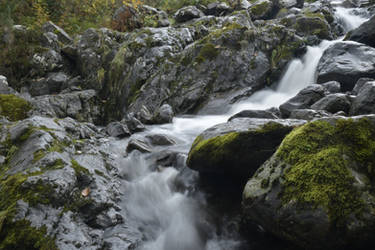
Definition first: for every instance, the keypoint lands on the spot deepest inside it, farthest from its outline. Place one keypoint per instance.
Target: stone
(62, 35)
(303, 100)
(164, 115)
(364, 103)
(138, 144)
(308, 114)
(346, 62)
(333, 103)
(117, 129)
(364, 34)
(237, 148)
(187, 13)
(266, 114)
(360, 83)
(332, 87)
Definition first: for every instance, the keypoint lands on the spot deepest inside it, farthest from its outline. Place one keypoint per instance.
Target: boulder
(333, 103)
(126, 18)
(46, 62)
(62, 35)
(308, 114)
(364, 103)
(160, 140)
(187, 13)
(264, 10)
(217, 9)
(138, 144)
(288, 4)
(303, 100)
(237, 148)
(164, 114)
(4, 87)
(266, 114)
(332, 87)
(117, 129)
(133, 123)
(53, 84)
(315, 190)
(346, 62)
(360, 83)
(307, 25)
(364, 34)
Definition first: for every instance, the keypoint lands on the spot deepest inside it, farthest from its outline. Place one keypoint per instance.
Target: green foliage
(14, 107)
(208, 51)
(319, 154)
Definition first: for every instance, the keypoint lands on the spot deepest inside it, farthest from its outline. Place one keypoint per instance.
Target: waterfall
(173, 218)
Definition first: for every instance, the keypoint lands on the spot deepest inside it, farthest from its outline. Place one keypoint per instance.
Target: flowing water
(164, 203)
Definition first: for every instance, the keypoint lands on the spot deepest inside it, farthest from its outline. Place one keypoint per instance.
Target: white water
(173, 218)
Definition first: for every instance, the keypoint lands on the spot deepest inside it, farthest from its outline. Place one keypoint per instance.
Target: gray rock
(264, 9)
(164, 115)
(138, 144)
(217, 9)
(332, 87)
(237, 148)
(4, 87)
(63, 36)
(364, 103)
(266, 114)
(333, 103)
(187, 13)
(160, 140)
(50, 40)
(46, 62)
(346, 62)
(117, 129)
(133, 123)
(308, 114)
(303, 100)
(364, 34)
(360, 83)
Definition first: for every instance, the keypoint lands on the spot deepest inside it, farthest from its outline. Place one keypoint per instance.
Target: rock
(333, 103)
(364, 34)
(117, 129)
(138, 144)
(160, 140)
(217, 9)
(291, 4)
(264, 9)
(164, 115)
(46, 62)
(187, 13)
(332, 87)
(153, 17)
(364, 103)
(303, 100)
(306, 25)
(308, 114)
(237, 148)
(133, 123)
(81, 105)
(346, 62)
(360, 83)
(4, 87)
(266, 114)
(50, 40)
(126, 18)
(62, 35)
(313, 191)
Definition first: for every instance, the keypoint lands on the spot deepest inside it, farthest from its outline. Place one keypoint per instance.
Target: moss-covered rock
(316, 189)
(238, 147)
(13, 107)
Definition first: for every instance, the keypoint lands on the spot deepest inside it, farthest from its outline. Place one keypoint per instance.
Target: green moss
(101, 74)
(259, 9)
(38, 155)
(79, 170)
(208, 51)
(14, 107)
(319, 154)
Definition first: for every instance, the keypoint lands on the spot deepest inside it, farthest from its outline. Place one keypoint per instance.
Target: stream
(165, 204)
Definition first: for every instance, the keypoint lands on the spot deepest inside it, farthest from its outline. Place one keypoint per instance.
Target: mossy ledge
(321, 156)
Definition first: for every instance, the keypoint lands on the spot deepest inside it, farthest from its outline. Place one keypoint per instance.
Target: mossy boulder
(13, 107)
(316, 190)
(264, 9)
(238, 147)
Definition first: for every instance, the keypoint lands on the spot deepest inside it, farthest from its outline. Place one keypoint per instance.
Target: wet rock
(237, 148)
(333, 103)
(360, 83)
(308, 114)
(164, 115)
(117, 129)
(62, 35)
(187, 13)
(138, 144)
(364, 34)
(133, 123)
(266, 114)
(313, 26)
(346, 62)
(364, 103)
(332, 87)
(303, 100)
(308, 212)
(160, 140)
